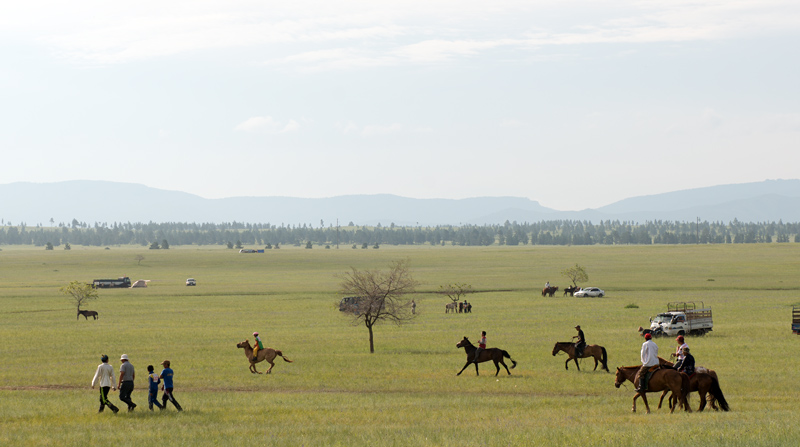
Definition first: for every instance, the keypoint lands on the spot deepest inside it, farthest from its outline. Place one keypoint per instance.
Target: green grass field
(407, 393)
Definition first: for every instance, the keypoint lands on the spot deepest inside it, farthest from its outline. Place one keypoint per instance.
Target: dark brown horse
(595, 351)
(571, 290)
(550, 291)
(662, 379)
(494, 354)
(87, 313)
(706, 385)
(267, 354)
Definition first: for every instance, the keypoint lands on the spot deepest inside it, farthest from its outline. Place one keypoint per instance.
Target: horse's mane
(630, 367)
(564, 343)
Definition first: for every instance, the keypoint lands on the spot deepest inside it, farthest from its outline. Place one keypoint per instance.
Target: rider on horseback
(580, 344)
(481, 346)
(686, 364)
(258, 345)
(649, 361)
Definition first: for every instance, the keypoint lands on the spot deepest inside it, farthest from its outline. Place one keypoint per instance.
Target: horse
(660, 380)
(267, 354)
(87, 313)
(707, 386)
(571, 290)
(549, 291)
(450, 307)
(596, 351)
(494, 354)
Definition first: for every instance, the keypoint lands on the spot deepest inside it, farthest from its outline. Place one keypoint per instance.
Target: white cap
(124, 357)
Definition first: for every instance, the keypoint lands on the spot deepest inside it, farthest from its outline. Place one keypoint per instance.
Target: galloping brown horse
(267, 354)
(707, 386)
(661, 380)
(595, 351)
(494, 354)
(550, 291)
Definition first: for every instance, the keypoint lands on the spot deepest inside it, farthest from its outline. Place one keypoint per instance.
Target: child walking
(153, 380)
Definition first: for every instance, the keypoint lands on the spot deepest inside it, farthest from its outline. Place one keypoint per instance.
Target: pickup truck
(682, 319)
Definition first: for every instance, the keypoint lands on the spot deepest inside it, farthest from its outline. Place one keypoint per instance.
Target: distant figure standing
(105, 376)
(127, 374)
(166, 376)
(413, 307)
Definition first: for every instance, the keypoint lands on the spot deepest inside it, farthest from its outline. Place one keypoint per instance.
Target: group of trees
(558, 232)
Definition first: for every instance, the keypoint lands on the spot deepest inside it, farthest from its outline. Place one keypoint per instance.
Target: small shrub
(631, 306)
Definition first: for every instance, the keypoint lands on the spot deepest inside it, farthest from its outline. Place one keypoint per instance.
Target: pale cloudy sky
(573, 103)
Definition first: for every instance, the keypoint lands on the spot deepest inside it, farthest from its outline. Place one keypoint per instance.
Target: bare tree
(139, 259)
(576, 274)
(378, 296)
(456, 291)
(80, 293)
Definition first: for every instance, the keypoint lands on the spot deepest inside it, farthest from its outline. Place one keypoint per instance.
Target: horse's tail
(716, 391)
(277, 352)
(605, 358)
(508, 356)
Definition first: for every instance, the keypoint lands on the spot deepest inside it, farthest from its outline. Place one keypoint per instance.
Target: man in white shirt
(649, 360)
(105, 377)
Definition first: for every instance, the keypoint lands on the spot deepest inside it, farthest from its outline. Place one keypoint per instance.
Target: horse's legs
(595, 363)
(646, 405)
(566, 364)
(497, 365)
(662, 399)
(576, 364)
(465, 367)
(633, 410)
(476, 369)
(702, 394)
(504, 366)
(271, 365)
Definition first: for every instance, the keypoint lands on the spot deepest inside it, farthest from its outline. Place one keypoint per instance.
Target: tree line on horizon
(555, 232)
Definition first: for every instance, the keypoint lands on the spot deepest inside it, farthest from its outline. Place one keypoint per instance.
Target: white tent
(140, 283)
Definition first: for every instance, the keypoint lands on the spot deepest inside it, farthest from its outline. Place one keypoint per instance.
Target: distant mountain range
(99, 201)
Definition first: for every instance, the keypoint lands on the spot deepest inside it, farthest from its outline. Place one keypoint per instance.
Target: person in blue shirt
(153, 380)
(166, 376)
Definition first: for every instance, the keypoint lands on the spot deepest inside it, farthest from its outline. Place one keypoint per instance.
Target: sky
(574, 104)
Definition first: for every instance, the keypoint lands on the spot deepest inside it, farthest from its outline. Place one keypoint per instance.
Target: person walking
(104, 376)
(127, 374)
(168, 387)
(152, 393)
(481, 346)
(649, 360)
(581, 343)
(413, 307)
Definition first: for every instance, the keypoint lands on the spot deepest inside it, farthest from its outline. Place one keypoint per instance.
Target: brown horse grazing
(494, 354)
(550, 291)
(87, 313)
(662, 379)
(571, 290)
(706, 385)
(267, 354)
(595, 351)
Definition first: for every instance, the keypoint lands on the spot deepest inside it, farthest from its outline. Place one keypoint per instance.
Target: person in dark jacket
(686, 364)
(581, 343)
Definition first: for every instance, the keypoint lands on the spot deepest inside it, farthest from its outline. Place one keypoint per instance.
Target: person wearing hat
(580, 345)
(649, 363)
(166, 376)
(258, 346)
(105, 377)
(681, 344)
(127, 374)
(686, 364)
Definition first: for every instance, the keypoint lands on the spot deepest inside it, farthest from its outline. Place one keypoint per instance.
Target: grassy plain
(407, 393)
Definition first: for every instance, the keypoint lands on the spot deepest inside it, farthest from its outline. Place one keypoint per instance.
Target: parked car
(590, 291)
(191, 282)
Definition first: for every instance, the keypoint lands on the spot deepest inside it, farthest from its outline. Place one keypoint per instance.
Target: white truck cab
(682, 319)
